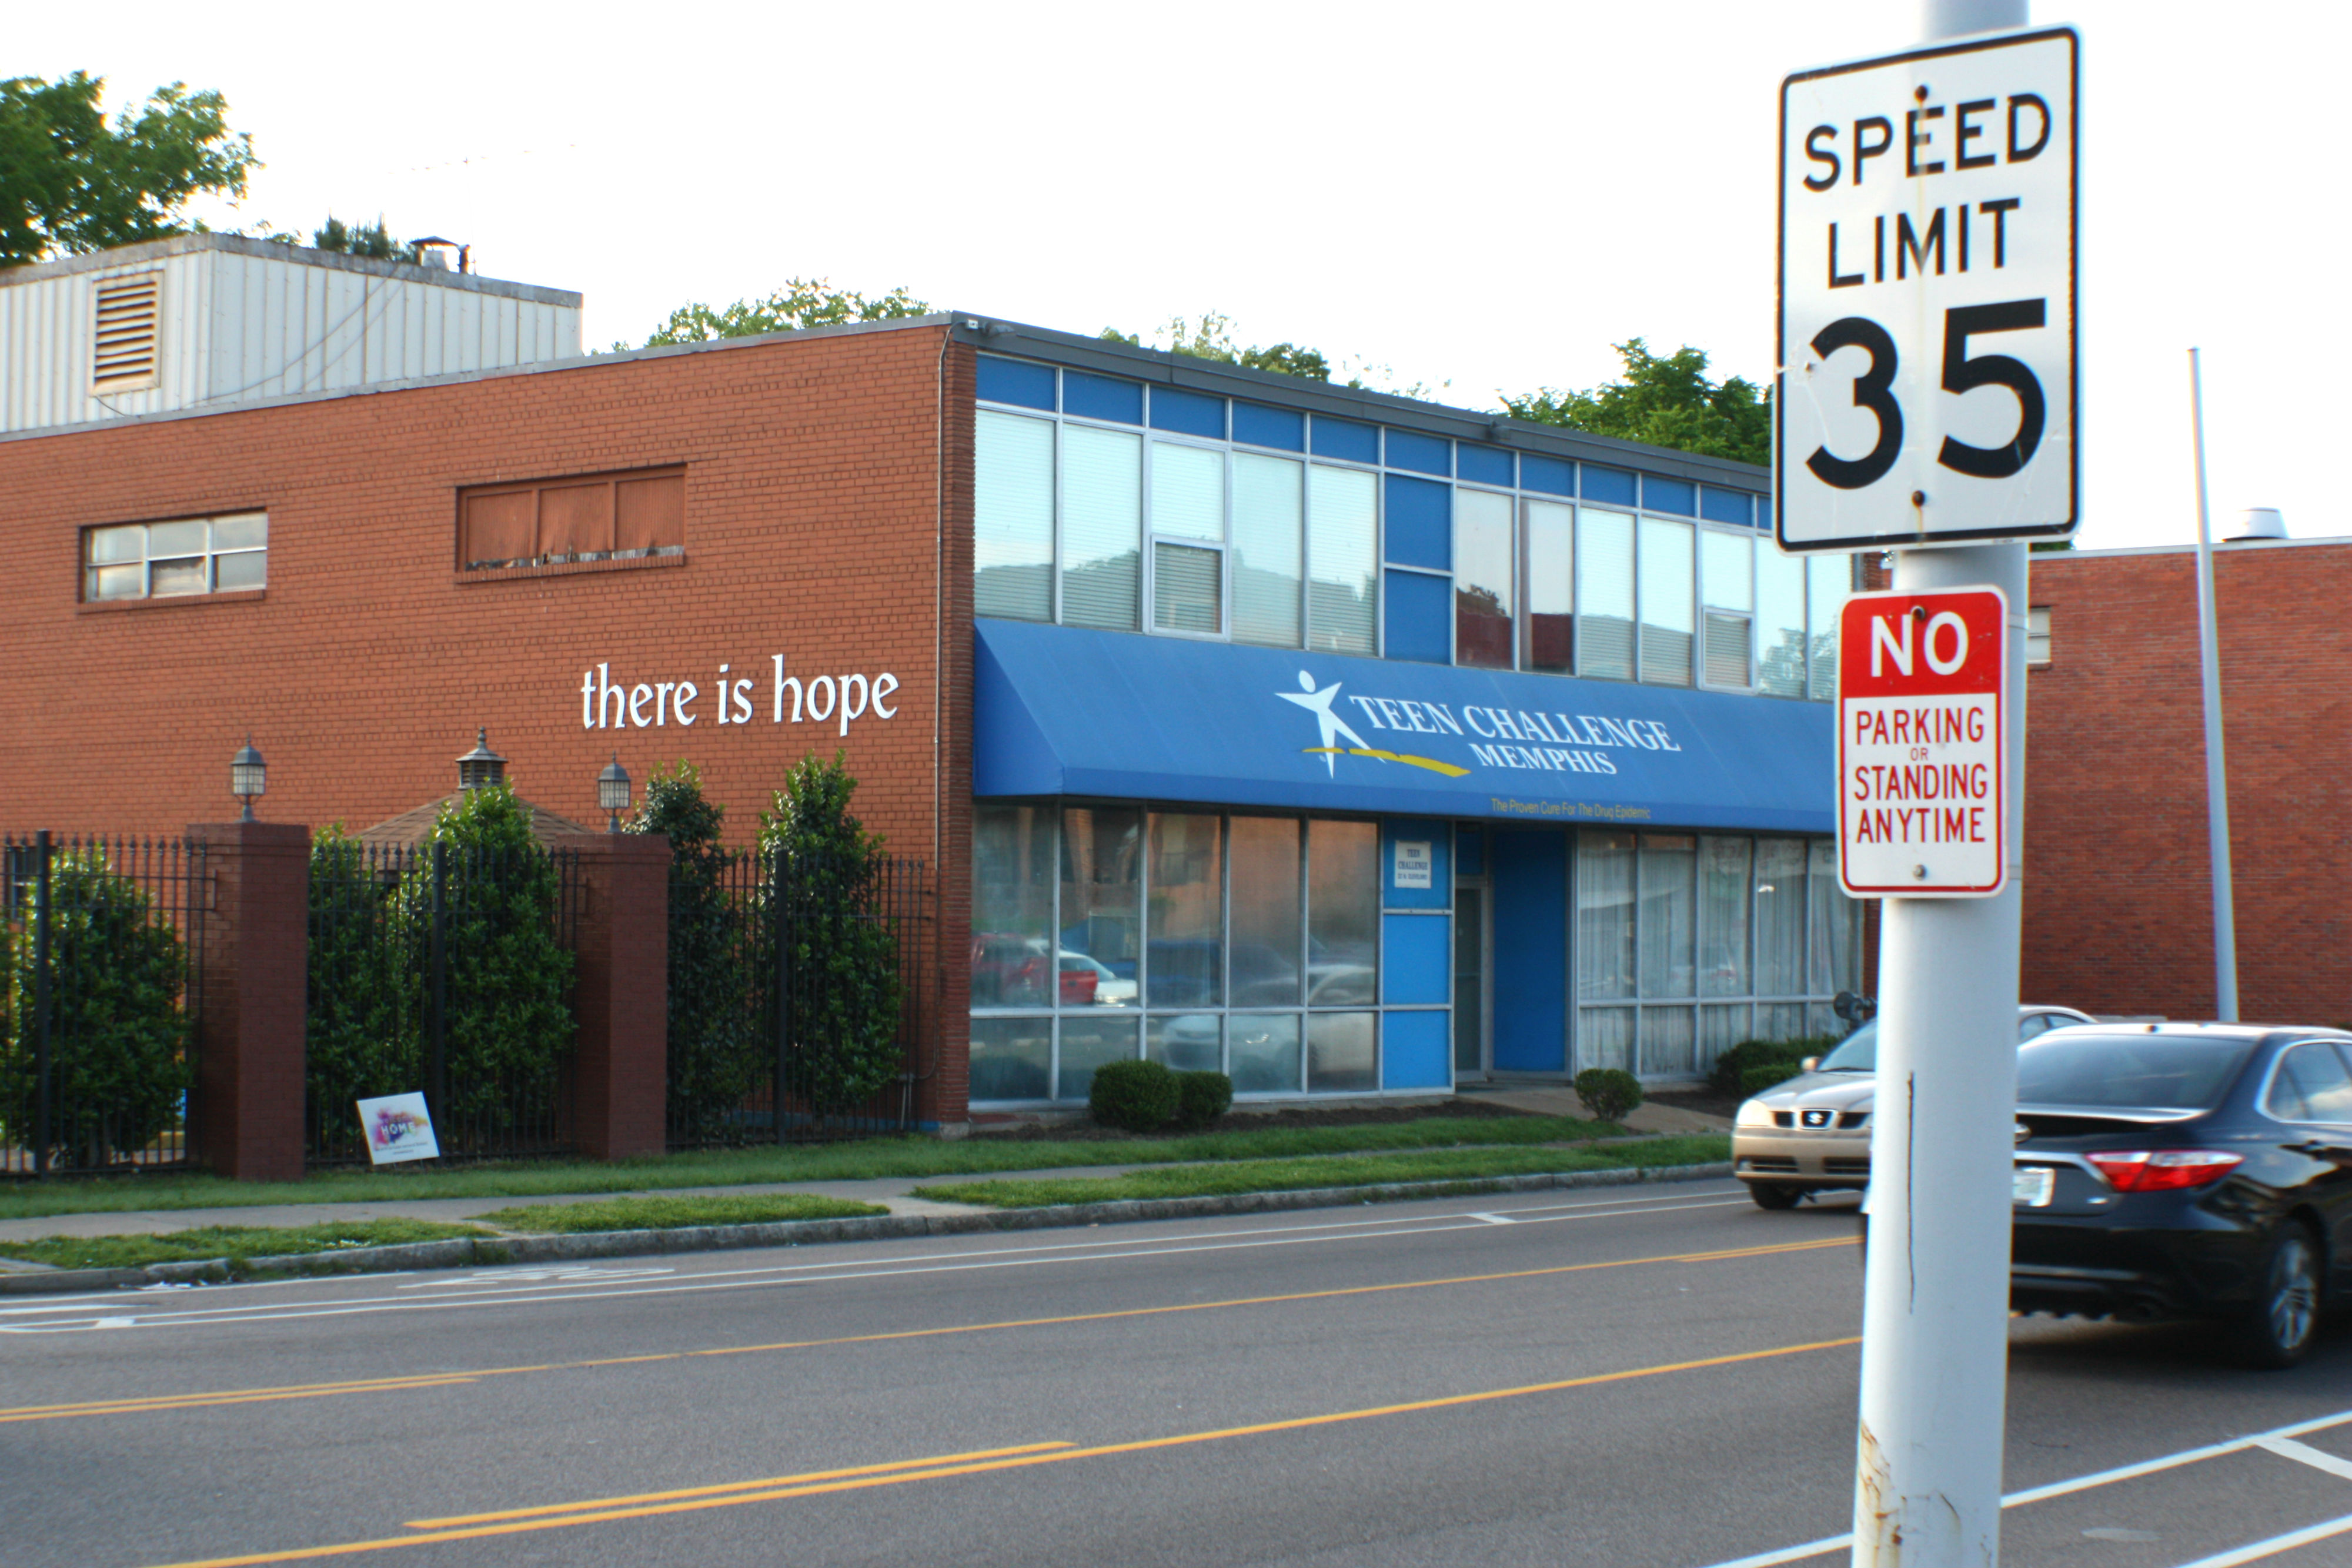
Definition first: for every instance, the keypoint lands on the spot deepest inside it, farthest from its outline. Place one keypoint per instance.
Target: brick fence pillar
(623, 985)
(254, 963)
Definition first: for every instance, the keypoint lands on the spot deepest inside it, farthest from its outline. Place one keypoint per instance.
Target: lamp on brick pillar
(481, 768)
(247, 777)
(612, 793)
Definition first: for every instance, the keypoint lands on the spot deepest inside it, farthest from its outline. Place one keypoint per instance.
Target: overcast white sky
(1483, 197)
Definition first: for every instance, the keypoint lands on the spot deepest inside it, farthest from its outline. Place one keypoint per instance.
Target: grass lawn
(234, 1242)
(666, 1213)
(864, 1159)
(1281, 1176)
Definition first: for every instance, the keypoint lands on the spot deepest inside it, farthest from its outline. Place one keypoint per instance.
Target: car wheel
(1774, 1195)
(2278, 1328)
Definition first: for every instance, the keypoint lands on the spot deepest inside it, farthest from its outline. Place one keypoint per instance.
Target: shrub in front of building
(118, 1039)
(717, 1055)
(840, 956)
(1731, 1069)
(1203, 1097)
(1767, 1076)
(1134, 1096)
(1608, 1093)
(356, 1043)
(507, 1024)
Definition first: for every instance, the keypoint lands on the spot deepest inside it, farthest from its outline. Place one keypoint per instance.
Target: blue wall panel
(1413, 1049)
(1439, 837)
(1470, 853)
(1101, 397)
(1188, 412)
(1346, 440)
(1482, 465)
(1420, 523)
(1527, 868)
(1015, 381)
(1553, 475)
(1613, 486)
(1415, 959)
(1256, 425)
(1679, 497)
(1422, 454)
(1726, 506)
(1420, 618)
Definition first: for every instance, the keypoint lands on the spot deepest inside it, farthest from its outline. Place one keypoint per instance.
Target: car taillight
(2163, 1170)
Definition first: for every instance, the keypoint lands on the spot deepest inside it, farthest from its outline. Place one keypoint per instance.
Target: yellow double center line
(816, 1483)
(189, 1401)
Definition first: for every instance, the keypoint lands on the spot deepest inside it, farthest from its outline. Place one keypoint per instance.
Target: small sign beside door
(1413, 862)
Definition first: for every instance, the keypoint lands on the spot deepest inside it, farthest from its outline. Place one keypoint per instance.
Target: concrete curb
(487, 1251)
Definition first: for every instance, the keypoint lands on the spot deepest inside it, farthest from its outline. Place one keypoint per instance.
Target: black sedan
(2186, 1170)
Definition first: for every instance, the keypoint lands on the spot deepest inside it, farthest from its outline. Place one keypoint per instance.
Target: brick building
(2118, 891)
(1353, 744)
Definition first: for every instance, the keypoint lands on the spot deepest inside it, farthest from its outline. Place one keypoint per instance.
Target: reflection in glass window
(1269, 520)
(1604, 594)
(1779, 622)
(1013, 522)
(1186, 1043)
(1102, 525)
(1185, 961)
(1265, 1054)
(1668, 871)
(1187, 589)
(1726, 568)
(1481, 579)
(1342, 1052)
(1666, 588)
(1550, 610)
(1342, 539)
(1342, 913)
(1723, 915)
(1268, 957)
(1102, 905)
(1012, 906)
(1087, 1042)
(1829, 581)
(1188, 491)
(1669, 1047)
(1604, 917)
(159, 560)
(1781, 917)
(1012, 1059)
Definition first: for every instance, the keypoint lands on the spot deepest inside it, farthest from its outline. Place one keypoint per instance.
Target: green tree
(118, 1038)
(826, 872)
(507, 1023)
(1211, 338)
(359, 1039)
(69, 180)
(1665, 402)
(802, 302)
(716, 1056)
(370, 240)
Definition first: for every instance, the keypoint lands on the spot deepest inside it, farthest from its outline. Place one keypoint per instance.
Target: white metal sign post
(1926, 401)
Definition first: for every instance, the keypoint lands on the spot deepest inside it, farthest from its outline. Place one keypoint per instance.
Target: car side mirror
(1810, 1064)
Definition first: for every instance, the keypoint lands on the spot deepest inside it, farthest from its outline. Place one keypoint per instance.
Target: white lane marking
(2108, 1478)
(2254, 1551)
(458, 1296)
(1494, 1219)
(2304, 1453)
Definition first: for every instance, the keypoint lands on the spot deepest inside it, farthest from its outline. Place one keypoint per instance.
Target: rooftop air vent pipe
(2260, 523)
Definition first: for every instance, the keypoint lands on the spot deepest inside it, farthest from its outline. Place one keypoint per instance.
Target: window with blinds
(575, 521)
(1604, 594)
(1013, 525)
(126, 341)
(1725, 568)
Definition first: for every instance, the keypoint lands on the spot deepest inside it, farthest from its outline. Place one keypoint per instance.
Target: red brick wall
(2118, 901)
(819, 520)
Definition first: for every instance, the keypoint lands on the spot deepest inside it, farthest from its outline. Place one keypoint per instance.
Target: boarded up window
(559, 522)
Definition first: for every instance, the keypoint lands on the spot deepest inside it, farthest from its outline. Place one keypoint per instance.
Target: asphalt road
(1662, 1375)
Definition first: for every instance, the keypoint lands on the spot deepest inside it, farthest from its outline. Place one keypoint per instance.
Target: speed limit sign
(1926, 386)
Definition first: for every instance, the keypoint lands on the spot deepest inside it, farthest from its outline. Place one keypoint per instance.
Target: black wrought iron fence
(795, 991)
(99, 997)
(447, 970)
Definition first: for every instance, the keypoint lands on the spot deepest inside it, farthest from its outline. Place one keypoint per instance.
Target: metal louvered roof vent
(128, 311)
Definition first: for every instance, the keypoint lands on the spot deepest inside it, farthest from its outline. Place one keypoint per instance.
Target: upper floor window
(563, 522)
(190, 555)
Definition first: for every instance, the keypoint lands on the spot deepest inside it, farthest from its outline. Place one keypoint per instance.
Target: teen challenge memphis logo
(1497, 738)
(1334, 728)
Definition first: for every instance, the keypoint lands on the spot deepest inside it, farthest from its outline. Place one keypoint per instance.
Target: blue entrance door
(1527, 869)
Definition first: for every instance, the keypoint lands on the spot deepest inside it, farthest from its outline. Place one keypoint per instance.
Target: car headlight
(1753, 1113)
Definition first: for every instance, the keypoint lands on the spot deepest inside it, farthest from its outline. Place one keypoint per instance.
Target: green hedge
(1730, 1074)
(1137, 1096)
(1608, 1093)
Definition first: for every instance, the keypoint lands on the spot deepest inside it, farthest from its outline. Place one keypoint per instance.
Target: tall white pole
(2217, 772)
(1935, 1349)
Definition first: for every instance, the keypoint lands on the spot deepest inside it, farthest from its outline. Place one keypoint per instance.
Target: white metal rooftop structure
(210, 321)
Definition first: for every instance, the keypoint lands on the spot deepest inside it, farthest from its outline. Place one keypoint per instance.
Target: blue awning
(1061, 711)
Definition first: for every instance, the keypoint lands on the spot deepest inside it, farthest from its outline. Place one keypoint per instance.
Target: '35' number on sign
(1962, 373)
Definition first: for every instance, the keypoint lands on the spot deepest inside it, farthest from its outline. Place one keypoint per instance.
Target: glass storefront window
(1550, 610)
(1186, 1043)
(1481, 579)
(1834, 941)
(1011, 1058)
(1604, 917)
(1723, 916)
(1086, 1044)
(1780, 917)
(1342, 1052)
(1102, 906)
(1343, 912)
(1669, 871)
(1265, 1054)
(1184, 965)
(1268, 958)
(1012, 906)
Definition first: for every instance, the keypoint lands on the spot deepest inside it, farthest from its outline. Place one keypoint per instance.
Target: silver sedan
(1811, 1134)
